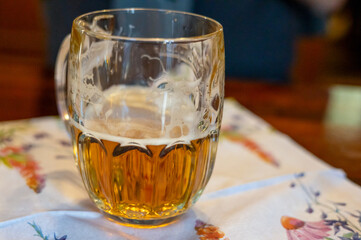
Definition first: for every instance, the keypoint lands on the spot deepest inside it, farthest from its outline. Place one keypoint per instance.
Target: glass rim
(76, 23)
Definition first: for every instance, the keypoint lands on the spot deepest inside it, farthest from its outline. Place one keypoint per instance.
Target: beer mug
(141, 93)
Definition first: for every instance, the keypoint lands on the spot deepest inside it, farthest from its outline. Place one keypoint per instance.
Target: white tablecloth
(264, 186)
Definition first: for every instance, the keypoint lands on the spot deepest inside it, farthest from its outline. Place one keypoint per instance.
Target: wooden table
(297, 110)
(300, 112)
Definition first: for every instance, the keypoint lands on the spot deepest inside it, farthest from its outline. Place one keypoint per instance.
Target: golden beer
(133, 168)
(144, 107)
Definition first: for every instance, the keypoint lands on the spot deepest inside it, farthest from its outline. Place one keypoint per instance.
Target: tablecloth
(264, 186)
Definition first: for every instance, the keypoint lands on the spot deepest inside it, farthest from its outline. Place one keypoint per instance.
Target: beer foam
(139, 141)
(146, 115)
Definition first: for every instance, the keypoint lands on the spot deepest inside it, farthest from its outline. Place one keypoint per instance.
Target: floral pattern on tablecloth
(18, 157)
(336, 221)
(253, 193)
(40, 234)
(239, 124)
(230, 134)
(15, 152)
(207, 231)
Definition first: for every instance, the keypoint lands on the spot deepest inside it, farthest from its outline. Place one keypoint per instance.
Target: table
(261, 179)
(297, 110)
(300, 112)
(263, 182)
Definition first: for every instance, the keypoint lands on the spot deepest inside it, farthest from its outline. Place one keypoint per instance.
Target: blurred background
(275, 41)
(295, 63)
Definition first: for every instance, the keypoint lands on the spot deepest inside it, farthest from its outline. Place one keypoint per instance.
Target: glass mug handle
(60, 80)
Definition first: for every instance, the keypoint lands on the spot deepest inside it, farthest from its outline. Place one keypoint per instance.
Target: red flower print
(300, 230)
(207, 231)
(250, 145)
(14, 157)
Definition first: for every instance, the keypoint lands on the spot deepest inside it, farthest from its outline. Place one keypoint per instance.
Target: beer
(136, 168)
